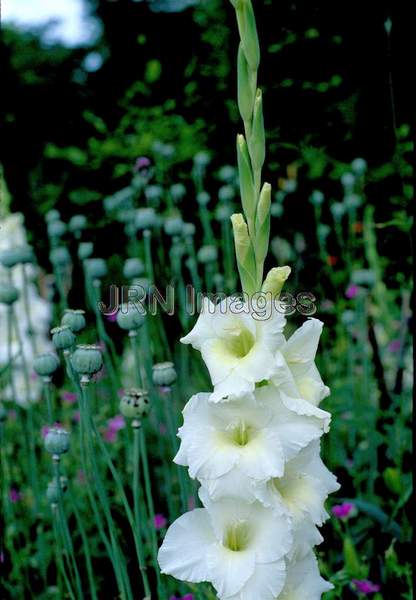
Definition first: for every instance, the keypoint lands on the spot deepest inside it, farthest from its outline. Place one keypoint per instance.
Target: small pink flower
(68, 397)
(116, 423)
(352, 291)
(76, 416)
(162, 429)
(45, 428)
(395, 346)
(112, 317)
(342, 511)
(160, 521)
(14, 495)
(186, 597)
(110, 435)
(366, 587)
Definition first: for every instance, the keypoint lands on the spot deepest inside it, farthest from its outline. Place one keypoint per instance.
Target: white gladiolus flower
(303, 580)
(238, 342)
(235, 445)
(302, 492)
(298, 373)
(236, 546)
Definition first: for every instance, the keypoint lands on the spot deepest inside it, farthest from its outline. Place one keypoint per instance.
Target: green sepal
(247, 82)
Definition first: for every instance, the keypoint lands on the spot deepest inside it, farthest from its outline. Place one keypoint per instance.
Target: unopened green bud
(164, 374)
(8, 294)
(57, 441)
(203, 198)
(75, 319)
(245, 254)
(263, 223)
(247, 83)
(275, 280)
(393, 480)
(248, 32)
(248, 196)
(87, 360)
(257, 138)
(130, 317)
(62, 337)
(46, 364)
(135, 404)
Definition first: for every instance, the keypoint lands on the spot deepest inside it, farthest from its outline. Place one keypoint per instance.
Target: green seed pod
(74, 319)
(153, 193)
(228, 174)
(60, 256)
(135, 404)
(177, 191)
(26, 254)
(77, 224)
(188, 229)
(207, 254)
(52, 215)
(223, 212)
(130, 317)
(57, 441)
(8, 294)
(226, 193)
(56, 229)
(203, 198)
(85, 249)
(46, 364)
(86, 361)
(173, 225)
(142, 282)
(133, 267)
(62, 337)
(164, 374)
(96, 268)
(202, 158)
(145, 218)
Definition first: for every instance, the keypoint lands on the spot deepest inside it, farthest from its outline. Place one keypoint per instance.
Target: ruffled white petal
(304, 580)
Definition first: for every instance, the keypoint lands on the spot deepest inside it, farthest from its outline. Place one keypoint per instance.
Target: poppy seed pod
(96, 268)
(87, 360)
(226, 193)
(135, 404)
(207, 254)
(56, 229)
(46, 364)
(173, 225)
(74, 319)
(203, 198)
(177, 191)
(62, 337)
(77, 223)
(60, 256)
(52, 215)
(133, 267)
(164, 374)
(85, 249)
(130, 317)
(18, 255)
(145, 218)
(57, 441)
(8, 294)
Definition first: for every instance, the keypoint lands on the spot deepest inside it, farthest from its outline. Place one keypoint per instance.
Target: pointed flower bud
(245, 254)
(275, 280)
(257, 139)
(248, 32)
(247, 81)
(248, 197)
(263, 224)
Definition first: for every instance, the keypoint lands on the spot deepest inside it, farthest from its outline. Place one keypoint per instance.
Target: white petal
(301, 347)
(229, 571)
(304, 580)
(266, 583)
(187, 543)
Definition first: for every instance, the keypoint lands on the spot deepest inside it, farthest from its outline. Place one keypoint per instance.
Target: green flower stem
(85, 545)
(228, 266)
(63, 527)
(138, 365)
(92, 475)
(47, 388)
(136, 499)
(58, 556)
(147, 239)
(119, 484)
(151, 509)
